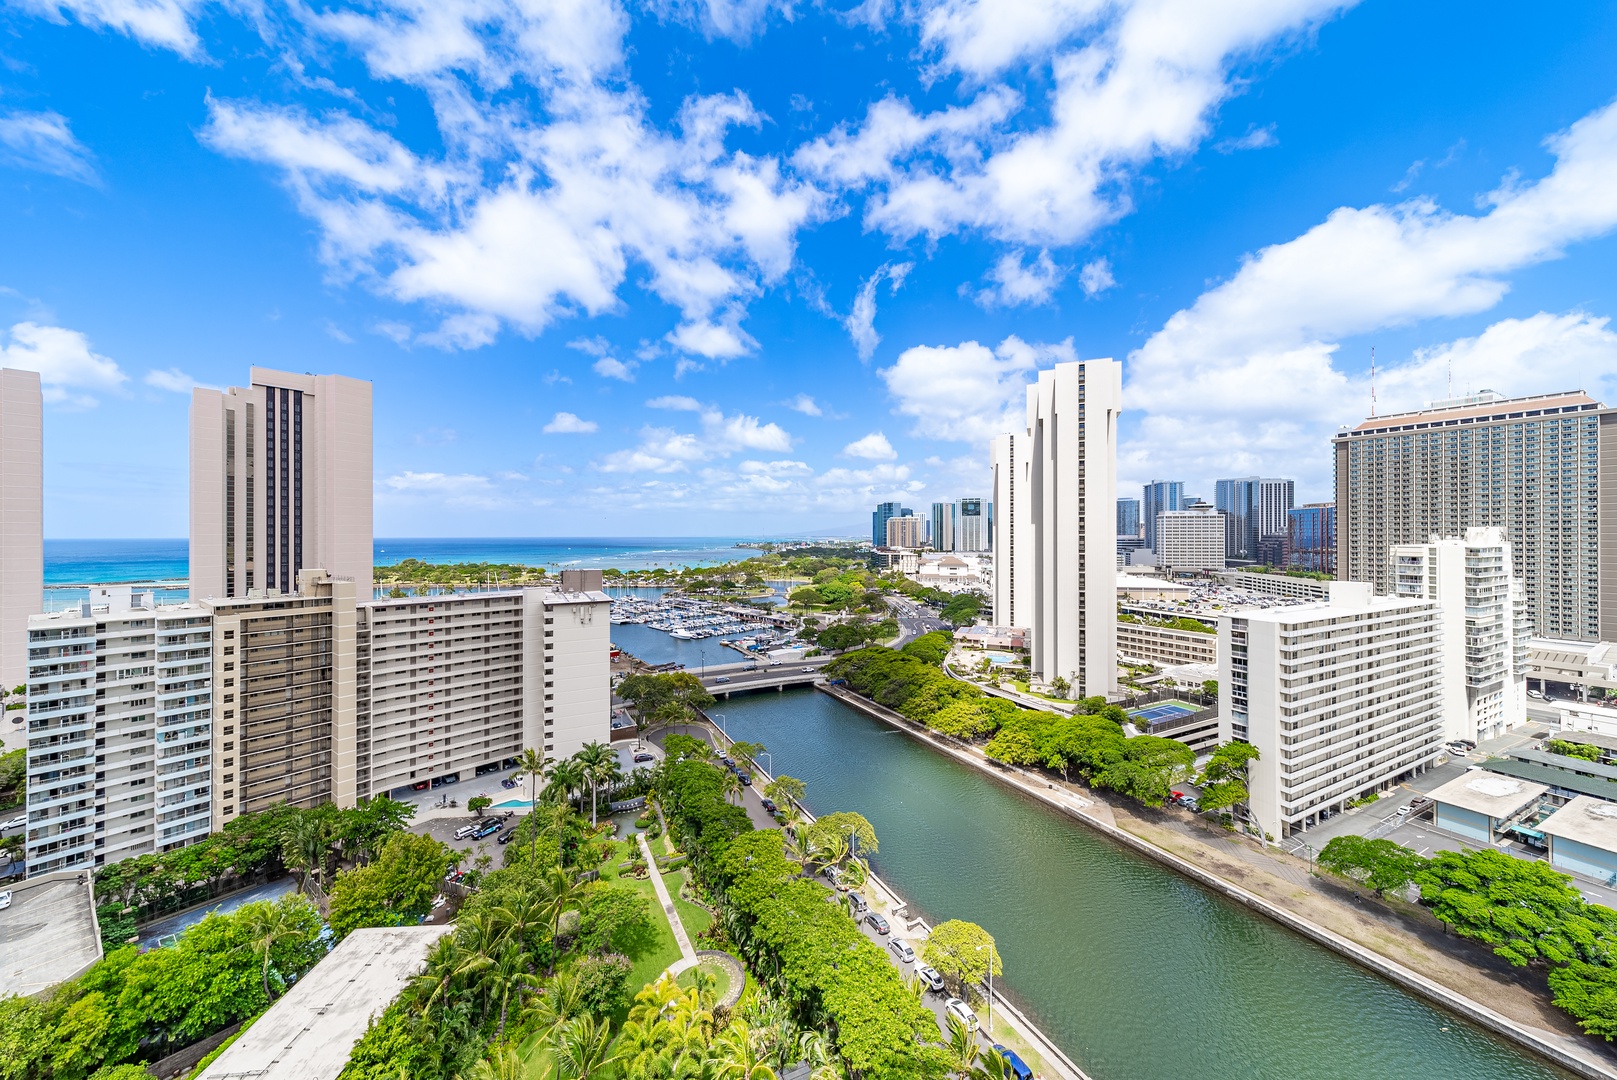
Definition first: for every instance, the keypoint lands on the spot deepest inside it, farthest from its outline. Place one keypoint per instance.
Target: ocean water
(82, 562)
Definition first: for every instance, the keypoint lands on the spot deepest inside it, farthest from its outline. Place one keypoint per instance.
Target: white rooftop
(48, 934)
(1490, 793)
(309, 1033)
(1585, 820)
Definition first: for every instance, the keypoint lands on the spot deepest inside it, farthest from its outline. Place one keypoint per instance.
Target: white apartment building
(1190, 541)
(574, 704)
(280, 481)
(119, 741)
(1486, 627)
(22, 502)
(1056, 498)
(1340, 698)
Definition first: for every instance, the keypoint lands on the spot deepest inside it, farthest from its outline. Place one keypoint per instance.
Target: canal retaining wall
(1545, 1044)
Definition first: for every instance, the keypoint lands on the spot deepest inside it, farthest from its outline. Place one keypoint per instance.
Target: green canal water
(1135, 972)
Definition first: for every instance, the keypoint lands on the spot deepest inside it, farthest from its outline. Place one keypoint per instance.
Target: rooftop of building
(1349, 599)
(1587, 738)
(1585, 820)
(49, 933)
(1485, 409)
(109, 600)
(1489, 793)
(1576, 782)
(309, 1033)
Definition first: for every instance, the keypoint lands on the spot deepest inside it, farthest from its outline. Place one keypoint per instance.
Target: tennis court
(1163, 710)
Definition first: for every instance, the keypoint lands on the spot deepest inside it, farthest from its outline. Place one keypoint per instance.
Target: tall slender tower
(280, 481)
(1012, 548)
(22, 501)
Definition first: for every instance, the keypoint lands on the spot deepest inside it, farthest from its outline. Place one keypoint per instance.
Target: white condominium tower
(280, 481)
(22, 547)
(1057, 511)
(1341, 699)
(971, 525)
(1485, 627)
(1191, 540)
(119, 741)
(1536, 467)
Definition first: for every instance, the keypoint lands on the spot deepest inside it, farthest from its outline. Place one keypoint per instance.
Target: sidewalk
(688, 957)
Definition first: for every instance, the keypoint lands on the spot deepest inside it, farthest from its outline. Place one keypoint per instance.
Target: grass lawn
(721, 979)
(696, 919)
(650, 963)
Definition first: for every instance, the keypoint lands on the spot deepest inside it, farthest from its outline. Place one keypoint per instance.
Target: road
(768, 675)
(914, 619)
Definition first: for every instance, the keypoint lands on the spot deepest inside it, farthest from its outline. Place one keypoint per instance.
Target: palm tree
(731, 783)
(583, 1048)
(961, 1047)
(559, 1002)
(303, 848)
(566, 776)
(737, 1055)
(558, 891)
(508, 979)
(704, 983)
(595, 759)
(504, 1063)
(533, 764)
(448, 962)
(267, 926)
(992, 1064)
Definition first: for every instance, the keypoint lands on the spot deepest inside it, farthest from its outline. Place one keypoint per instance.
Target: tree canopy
(961, 952)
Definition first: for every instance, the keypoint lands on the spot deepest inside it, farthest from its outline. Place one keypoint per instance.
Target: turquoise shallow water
(1135, 972)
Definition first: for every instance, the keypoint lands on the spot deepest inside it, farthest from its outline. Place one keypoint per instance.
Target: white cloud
(1256, 138)
(610, 367)
(861, 321)
(676, 402)
(44, 142)
(454, 489)
(873, 447)
(806, 405)
(65, 363)
(968, 392)
(566, 423)
(165, 24)
(664, 450)
(1096, 277)
(1016, 284)
(1249, 371)
(173, 380)
(1132, 81)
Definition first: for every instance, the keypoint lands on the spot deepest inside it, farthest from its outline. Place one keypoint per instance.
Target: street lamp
(719, 717)
(765, 754)
(990, 948)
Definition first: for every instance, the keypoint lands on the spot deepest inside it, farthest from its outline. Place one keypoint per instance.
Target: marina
(748, 630)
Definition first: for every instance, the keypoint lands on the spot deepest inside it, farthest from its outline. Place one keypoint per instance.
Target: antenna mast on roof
(1372, 381)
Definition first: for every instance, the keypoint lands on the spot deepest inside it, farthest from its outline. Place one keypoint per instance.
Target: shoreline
(1561, 1050)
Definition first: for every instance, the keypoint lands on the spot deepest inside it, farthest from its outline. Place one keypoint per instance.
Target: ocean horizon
(82, 562)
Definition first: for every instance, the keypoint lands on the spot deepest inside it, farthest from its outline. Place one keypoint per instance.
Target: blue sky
(747, 267)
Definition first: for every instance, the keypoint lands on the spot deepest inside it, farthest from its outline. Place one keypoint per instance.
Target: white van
(465, 830)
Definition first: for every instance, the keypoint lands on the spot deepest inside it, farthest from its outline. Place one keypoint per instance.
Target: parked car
(860, 904)
(505, 837)
(729, 762)
(962, 1012)
(902, 950)
(1019, 1069)
(419, 787)
(878, 923)
(5, 899)
(1537, 695)
(769, 805)
(643, 757)
(508, 783)
(464, 831)
(745, 778)
(486, 830)
(1404, 809)
(929, 975)
(15, 823)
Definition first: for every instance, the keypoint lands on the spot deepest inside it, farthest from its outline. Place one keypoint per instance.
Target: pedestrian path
(687, 954)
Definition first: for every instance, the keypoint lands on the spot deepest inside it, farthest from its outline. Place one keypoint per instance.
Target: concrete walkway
(688, 957)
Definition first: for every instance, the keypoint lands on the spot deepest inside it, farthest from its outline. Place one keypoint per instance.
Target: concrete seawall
(1546, 1044)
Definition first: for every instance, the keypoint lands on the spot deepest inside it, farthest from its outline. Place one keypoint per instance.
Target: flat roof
(309, 1033)
(1586, 738)
(1564, 761)
(1501, 407)
(49, 932)
(1586, 820)
(1489, 793)
(1577, 783)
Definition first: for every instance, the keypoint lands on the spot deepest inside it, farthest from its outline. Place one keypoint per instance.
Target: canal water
(1135, 972)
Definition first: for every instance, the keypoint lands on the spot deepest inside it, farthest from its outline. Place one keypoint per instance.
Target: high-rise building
(1275, 550)
(22, 502)
(1254, 507)
(280, 481)
(1128, 517)
(1070, 484)
(878, 521)
(285, 710)
(1537, 467)
(1341, 698)
(119, 742)
(972, 525)
(1013, 544)
(1485, 627)
(574, 704)
(1190, 541)
(1312, 533)
(1158, 497)
(943, 518)
(904, 532)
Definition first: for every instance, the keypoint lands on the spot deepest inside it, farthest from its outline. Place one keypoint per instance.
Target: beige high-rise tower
(280, 481)
(22, 545)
